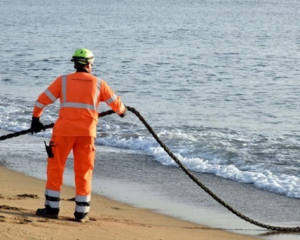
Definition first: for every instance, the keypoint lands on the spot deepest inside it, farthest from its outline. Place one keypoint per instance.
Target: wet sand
(21, 195)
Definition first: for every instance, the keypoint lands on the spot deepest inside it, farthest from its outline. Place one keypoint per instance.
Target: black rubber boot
(48, 212)
(81, 217)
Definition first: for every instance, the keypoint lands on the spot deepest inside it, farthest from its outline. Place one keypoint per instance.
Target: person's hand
(124, 113)
(36, 125)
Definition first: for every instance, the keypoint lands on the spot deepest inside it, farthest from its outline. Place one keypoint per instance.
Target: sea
(217, 80)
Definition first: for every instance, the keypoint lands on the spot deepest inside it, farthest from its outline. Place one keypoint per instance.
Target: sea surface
(217, 80)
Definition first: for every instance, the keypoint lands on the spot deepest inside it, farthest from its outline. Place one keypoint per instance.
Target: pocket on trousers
(49, 148)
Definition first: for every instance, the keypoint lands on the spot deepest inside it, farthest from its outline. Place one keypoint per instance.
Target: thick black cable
(51, 125)
(178, 162)
(214, 196)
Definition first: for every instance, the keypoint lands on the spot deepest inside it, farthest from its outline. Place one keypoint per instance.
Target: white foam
(262, 178)
(215, 155)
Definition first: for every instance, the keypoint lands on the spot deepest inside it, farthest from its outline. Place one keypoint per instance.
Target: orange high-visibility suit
(75, 129)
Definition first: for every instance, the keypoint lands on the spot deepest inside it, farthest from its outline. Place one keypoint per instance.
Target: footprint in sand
(23, 196)
(2, 218)
(20, 196)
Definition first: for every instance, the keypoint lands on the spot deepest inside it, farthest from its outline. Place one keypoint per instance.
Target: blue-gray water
(217, 80)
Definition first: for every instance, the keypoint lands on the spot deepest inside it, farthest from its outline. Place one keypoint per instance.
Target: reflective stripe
(64, 88)
(52, 198)
(97, 92)
(79, 198)
(82, 209)
(82, 203)
(78, 105)
(52, 204)
(64, 102)
(52, 193)
(39, 105)
(50, 95)
(112, 99)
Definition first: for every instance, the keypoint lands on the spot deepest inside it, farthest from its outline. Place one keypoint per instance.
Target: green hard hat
(83, 56)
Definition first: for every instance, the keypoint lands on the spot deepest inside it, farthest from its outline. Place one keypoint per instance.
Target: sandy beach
(21, 195)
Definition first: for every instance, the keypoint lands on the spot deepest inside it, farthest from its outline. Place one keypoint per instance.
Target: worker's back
(79, 98)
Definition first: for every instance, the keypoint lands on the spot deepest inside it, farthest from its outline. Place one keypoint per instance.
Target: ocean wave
(268, 163)
(257, 174)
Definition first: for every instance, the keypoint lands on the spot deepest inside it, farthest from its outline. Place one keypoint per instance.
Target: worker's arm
(108, 96)
(47, 97)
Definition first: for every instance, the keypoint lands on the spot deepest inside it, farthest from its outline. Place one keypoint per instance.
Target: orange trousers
(84, 157)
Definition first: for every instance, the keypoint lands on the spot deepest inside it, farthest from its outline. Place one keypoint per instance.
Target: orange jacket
(80, 94)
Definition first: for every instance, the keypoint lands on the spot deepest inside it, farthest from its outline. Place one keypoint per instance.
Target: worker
(75, 130)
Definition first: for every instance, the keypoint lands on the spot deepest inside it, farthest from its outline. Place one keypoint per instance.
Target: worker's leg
(60, 147)
(84, 156)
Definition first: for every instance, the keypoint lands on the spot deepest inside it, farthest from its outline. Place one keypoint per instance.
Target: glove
(36, 125)
(124, 113)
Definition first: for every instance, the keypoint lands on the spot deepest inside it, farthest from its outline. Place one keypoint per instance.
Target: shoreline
(124, 201)
(109, 219)
(147, 217)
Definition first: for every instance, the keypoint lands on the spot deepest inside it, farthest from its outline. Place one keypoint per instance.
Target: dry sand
(21, 195)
